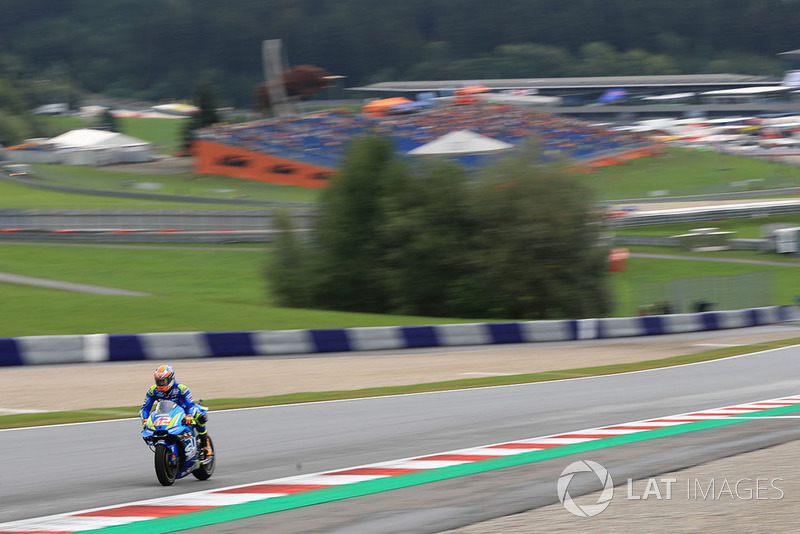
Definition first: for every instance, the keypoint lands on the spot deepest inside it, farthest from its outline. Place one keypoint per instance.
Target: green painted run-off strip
(346, 491)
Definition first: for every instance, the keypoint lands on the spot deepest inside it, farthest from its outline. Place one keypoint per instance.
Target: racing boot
(205, 449)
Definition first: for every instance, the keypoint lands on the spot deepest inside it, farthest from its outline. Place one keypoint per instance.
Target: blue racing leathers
(179, 394)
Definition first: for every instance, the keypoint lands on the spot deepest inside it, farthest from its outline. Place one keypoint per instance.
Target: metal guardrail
(706, 213)
(645, 241)
(152, 196)
(672, 241)
(138, 237)
(730, 195)
(130, 225)
(130, 219)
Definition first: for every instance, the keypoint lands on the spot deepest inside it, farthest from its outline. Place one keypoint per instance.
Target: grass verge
(684, 171)
(102, 414)
(214, 289)
(115, 179)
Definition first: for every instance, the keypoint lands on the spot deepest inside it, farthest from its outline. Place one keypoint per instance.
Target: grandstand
(306, 149)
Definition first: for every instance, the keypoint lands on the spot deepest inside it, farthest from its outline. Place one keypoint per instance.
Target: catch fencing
(704, 293)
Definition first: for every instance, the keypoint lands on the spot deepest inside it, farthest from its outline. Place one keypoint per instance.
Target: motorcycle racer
(166, 388)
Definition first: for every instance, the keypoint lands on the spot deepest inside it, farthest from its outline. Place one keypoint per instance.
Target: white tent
(88, 138)
(97, 147)
(461, 142)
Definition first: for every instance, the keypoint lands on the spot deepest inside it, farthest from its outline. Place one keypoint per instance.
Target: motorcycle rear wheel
(205, 470)
(166, 468)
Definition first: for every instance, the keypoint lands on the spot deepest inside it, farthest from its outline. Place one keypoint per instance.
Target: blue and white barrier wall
(31, 350)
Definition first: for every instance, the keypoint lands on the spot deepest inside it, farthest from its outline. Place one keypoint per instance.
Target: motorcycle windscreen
(163, 407)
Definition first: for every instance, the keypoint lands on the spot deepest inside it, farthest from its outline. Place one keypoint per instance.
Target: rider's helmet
(165, 377)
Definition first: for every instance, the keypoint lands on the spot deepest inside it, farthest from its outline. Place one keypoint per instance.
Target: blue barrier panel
(710, 320)
(505, 333)
(573, 326)
(122, 347)
(601, 330)
(419, 336)
(230, 344)
(653, 325)
(330, 340)
(787, 313)
(9, 352)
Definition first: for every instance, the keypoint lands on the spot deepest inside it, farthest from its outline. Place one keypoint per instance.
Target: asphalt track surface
(60, 469)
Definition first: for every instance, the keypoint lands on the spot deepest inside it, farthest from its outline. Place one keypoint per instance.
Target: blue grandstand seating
(321, 138)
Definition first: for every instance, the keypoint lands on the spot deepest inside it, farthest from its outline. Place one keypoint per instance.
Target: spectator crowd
(321, 138)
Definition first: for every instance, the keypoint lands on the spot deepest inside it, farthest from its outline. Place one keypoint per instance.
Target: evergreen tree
(206, 100)
(108, 121)
(190, 127)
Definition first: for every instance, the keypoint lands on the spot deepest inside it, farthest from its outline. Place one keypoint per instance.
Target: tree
(426, 239)
(598, 59)
(288, 269)
(520, 241)
(346, 277)
(530, 59)
(204, 40)
(438, 62)
(16, 123)
(108, 121)
(189, 134)
(206, 100)
(14, 129)
(539, 247)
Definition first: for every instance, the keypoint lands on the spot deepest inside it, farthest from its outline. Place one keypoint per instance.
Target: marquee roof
(461, 142)
(89, 138)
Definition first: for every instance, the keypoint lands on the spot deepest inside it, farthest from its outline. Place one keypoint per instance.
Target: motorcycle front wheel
(205, 470)
(166, 468)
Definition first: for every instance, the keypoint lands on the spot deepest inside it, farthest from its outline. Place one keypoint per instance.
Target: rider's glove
(144, 423)
(188, 420)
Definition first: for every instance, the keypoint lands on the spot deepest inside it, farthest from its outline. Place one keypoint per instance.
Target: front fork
(173, 449)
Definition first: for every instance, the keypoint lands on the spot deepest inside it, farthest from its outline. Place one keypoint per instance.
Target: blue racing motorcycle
(175, 444)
